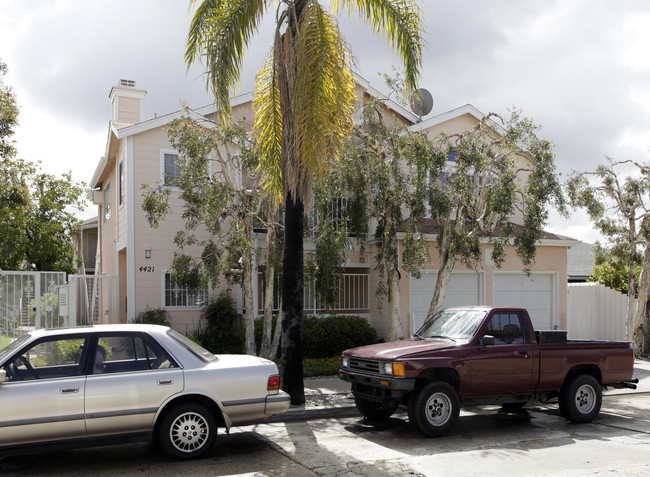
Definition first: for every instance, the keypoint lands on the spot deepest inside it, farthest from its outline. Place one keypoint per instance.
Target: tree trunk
(395, 327)
(269, 277)
(631, 288)
(638, 334)
(447, 263)
(292, 300)
(248, 278)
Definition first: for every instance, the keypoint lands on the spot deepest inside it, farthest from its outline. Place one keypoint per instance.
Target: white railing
(353, 296)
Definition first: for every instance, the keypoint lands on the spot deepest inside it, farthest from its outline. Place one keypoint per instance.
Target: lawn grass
(4, 341)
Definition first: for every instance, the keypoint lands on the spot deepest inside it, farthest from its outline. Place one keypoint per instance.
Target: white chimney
(127, 102)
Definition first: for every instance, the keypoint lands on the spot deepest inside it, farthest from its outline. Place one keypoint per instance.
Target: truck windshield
(452, 324)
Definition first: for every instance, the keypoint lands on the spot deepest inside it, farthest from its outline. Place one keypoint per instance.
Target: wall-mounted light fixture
(147, 253)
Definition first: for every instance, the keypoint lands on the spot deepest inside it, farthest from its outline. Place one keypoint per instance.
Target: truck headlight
(394, 369)
(345, 361)
(388, 368)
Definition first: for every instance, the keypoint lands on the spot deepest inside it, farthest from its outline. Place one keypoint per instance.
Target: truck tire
(581, 398)
(374, 411)
(434, 408)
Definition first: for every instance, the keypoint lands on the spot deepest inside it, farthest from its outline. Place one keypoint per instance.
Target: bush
(329, 336)
(219, 331)
(152, 317)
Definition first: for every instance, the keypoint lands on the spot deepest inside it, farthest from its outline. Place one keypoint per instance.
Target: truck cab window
(506, 329)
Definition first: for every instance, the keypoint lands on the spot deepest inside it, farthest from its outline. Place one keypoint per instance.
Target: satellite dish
(422, 102)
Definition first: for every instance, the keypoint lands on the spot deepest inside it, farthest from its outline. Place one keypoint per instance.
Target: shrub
(152, 317)
(327, 337)
(219, 331)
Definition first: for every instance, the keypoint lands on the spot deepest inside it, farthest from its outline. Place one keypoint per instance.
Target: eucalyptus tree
(619, 207)
(497, 174)
(221, 193)
(303, 108)
(377, 192)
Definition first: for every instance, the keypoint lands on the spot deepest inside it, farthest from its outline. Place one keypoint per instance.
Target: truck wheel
(581, 398)
(434, 408)
(373, 410)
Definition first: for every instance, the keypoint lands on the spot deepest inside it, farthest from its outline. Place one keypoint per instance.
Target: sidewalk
(329, 396)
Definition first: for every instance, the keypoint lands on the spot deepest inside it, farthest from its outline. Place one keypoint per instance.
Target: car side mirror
(487, 340)
(3, 376)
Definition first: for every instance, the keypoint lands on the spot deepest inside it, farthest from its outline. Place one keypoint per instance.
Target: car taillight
(274, 383)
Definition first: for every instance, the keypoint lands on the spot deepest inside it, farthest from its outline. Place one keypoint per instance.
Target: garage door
(463, 289)
(537, 293)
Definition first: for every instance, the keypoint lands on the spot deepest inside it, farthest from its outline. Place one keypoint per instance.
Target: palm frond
(220, 32)
(400, 22)
(268, 126)
(323, 97)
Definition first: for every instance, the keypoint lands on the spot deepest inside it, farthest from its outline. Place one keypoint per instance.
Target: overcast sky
(580, 68)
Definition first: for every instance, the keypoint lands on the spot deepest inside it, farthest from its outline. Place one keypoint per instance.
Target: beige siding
(128, 110)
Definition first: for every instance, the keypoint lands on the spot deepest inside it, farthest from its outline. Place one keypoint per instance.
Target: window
(171, 171)
(107, 201)
(51, 358)
(177, 296)
(129, 352)
(506, 329)
(120, 173)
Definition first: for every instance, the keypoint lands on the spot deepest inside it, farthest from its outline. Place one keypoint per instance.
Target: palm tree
(304, 101)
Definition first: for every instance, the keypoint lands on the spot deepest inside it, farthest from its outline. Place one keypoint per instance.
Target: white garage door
(537, 293)
(463, 289)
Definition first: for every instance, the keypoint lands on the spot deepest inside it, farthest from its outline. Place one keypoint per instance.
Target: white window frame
(107, 209)
(163, 298)
(162, 165)
(121, 176)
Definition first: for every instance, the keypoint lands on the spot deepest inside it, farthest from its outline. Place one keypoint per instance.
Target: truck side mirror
(487, 340)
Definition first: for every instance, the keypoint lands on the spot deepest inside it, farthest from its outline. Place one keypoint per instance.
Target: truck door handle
(523, 351)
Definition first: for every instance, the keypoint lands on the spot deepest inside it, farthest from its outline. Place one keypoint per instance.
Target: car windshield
(452, 324)
(12, 346)
(197, 350)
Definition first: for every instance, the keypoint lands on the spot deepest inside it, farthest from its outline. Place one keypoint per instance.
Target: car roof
(130, 327)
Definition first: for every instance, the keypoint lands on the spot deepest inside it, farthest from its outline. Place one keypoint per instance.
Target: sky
(579, 68)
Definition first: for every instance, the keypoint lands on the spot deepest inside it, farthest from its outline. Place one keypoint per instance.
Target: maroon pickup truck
(482, 355)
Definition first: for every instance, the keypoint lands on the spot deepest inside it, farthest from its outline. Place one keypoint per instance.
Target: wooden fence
(595, 312)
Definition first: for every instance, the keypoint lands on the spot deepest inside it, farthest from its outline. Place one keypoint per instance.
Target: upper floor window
(120, 175)
(170, 169)
(107, 201)
(177, 296)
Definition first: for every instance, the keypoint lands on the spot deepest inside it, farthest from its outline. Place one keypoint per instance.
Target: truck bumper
(379, 382)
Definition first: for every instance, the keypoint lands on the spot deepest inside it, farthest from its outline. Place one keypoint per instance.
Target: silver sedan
(132, 381)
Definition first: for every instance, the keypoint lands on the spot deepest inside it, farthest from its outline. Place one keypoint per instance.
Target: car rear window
(194, 348)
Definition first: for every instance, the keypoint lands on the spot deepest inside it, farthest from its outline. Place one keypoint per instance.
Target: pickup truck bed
(483, 355)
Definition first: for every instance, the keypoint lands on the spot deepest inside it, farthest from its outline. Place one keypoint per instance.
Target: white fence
(595, 312)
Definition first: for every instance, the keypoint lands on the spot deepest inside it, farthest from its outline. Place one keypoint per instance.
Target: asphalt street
(327, 437)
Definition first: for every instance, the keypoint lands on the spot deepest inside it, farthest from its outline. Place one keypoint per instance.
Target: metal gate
(93, 299)
(29, 300)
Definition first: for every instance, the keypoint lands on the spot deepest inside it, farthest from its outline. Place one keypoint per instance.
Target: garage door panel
(463, 289)
(535, 293)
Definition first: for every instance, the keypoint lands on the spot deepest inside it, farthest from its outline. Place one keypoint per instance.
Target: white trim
(130, 233)
(164, 151)
(447, 116)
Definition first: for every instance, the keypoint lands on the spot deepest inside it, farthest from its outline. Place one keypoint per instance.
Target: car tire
(434, 408)
(580, 399)
(374, 411)
(187, 431)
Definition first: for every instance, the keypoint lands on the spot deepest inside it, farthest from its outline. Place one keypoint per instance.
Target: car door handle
(71, 389)
(166, 381)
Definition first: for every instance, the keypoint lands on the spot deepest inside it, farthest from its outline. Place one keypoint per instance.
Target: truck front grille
(369, 366)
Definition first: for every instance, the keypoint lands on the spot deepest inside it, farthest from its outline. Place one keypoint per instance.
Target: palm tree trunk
(292, 300)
